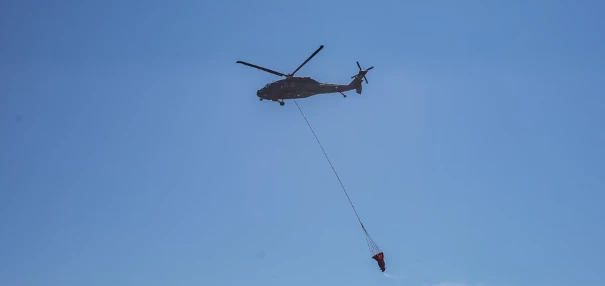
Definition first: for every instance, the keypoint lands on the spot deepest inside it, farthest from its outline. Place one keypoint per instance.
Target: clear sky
(134, 150)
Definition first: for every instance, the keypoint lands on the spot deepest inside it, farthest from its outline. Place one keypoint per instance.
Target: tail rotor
(357, 78)
(362, 72)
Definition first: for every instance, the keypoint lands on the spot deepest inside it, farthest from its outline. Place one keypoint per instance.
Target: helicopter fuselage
(298, 87)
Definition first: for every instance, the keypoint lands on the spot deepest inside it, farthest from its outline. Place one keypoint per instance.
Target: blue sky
(135, 152)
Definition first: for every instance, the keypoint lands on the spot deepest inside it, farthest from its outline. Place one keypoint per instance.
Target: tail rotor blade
(364, 77)
(363, 72)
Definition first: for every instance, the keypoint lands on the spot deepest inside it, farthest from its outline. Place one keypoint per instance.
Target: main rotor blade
(261, 68)
(308, 59)
(359, 66)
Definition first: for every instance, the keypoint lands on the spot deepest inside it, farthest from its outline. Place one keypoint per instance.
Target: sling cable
(377, 254)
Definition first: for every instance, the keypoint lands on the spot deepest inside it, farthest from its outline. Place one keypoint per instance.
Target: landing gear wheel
(282, 103)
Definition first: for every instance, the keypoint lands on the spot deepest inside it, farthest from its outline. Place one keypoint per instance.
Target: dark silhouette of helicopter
(301, 87)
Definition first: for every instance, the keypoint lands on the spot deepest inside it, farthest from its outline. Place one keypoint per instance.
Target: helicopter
(302, 87)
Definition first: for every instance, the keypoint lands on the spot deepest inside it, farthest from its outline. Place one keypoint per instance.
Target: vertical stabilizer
(356, 83)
